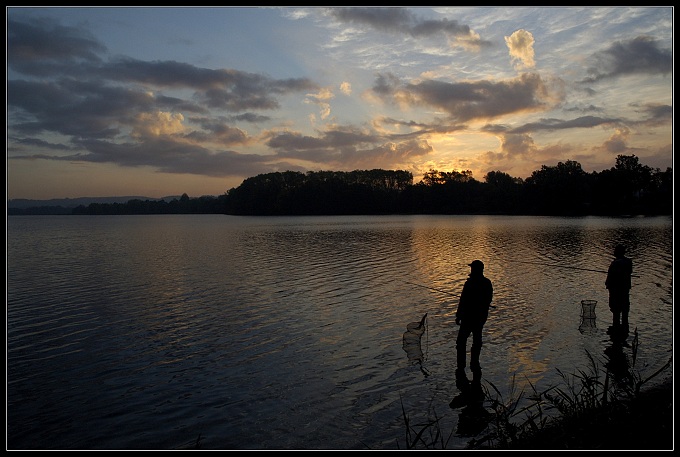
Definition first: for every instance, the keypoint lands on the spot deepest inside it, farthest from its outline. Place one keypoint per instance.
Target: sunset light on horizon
(170, 100)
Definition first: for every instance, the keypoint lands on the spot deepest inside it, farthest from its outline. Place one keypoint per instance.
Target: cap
(619, 249)
(477, 264)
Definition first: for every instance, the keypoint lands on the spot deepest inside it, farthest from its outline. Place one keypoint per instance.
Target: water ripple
(286, 333)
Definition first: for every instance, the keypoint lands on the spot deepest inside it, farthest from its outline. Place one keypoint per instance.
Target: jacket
(618, 275)
(475, 299)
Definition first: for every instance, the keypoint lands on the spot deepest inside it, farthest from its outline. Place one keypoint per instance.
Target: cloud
(217, 131)
(521, 149)
(414, 130)
(162, 137)
(321, 99)
(69, 100)
(157, 124)
(616, 144)
(641, 55)
(249, 117)
(346, 148)
(44, 40)
(333, 138)
(583, 122)
(346, 88)
(516, 145)
(125, 111)
(403, 21)
(657, 114)
(34, 142)
(475, 100)
(72, 108)
(173, 155)
(521, 47)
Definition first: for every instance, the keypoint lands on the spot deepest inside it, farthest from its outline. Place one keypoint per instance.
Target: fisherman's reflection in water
(618, 365)
(473, 417)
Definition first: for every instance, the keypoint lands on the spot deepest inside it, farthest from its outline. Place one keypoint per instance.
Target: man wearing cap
(618, 283)
(471, 315)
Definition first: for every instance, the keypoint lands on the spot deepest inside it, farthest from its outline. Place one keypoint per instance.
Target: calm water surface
(154, 332)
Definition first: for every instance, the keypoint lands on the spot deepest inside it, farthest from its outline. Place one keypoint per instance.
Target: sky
(154, 102)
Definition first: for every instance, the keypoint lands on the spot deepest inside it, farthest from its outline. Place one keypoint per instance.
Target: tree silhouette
(563, 189)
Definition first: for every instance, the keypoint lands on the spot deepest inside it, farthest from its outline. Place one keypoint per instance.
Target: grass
(427, 435)
(588, 410)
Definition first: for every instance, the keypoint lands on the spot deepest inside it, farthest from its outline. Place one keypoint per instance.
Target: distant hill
(70, 203)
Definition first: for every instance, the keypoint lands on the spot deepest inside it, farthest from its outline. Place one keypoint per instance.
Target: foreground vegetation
(628, 188)
(590, 411)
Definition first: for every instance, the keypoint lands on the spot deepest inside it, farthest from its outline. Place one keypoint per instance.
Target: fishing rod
(432, 288)
(564, 266)
(438, 290)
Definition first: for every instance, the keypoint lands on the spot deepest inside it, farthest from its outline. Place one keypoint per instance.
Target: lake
(256, 333)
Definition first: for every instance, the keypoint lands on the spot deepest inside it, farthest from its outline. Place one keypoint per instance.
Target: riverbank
(643, 423)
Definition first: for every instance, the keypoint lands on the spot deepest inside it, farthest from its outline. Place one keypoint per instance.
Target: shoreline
(641, 423)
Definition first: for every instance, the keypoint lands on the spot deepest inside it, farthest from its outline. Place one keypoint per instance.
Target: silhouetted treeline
(628, 188)
(320, 192)
(183, 205)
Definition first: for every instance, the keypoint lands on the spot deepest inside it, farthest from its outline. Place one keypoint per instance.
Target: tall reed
(585, 399)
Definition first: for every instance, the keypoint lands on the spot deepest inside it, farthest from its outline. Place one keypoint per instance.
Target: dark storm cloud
(386, 84)
(418, 129)
(400, 20)
(171, 156)
(78, 109)
(583, 109)
(224, 88)
(657, 114)
(410, 124)
(165, 102)
(386, 19)
(293, 141)
(40, 143)
(250, 117)
(238, 100)
(484, 99)
(641, 55)
(560, 124)
(71, 90)
(168, 74)
(218, 132)
(382, 155)
(348, 148)
(475, 100)
(62, 45)
(290, 141)
(32, 46)
(45, 40)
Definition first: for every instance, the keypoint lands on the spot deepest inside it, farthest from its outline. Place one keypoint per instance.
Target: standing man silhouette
(618, 283)
(471, 315)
